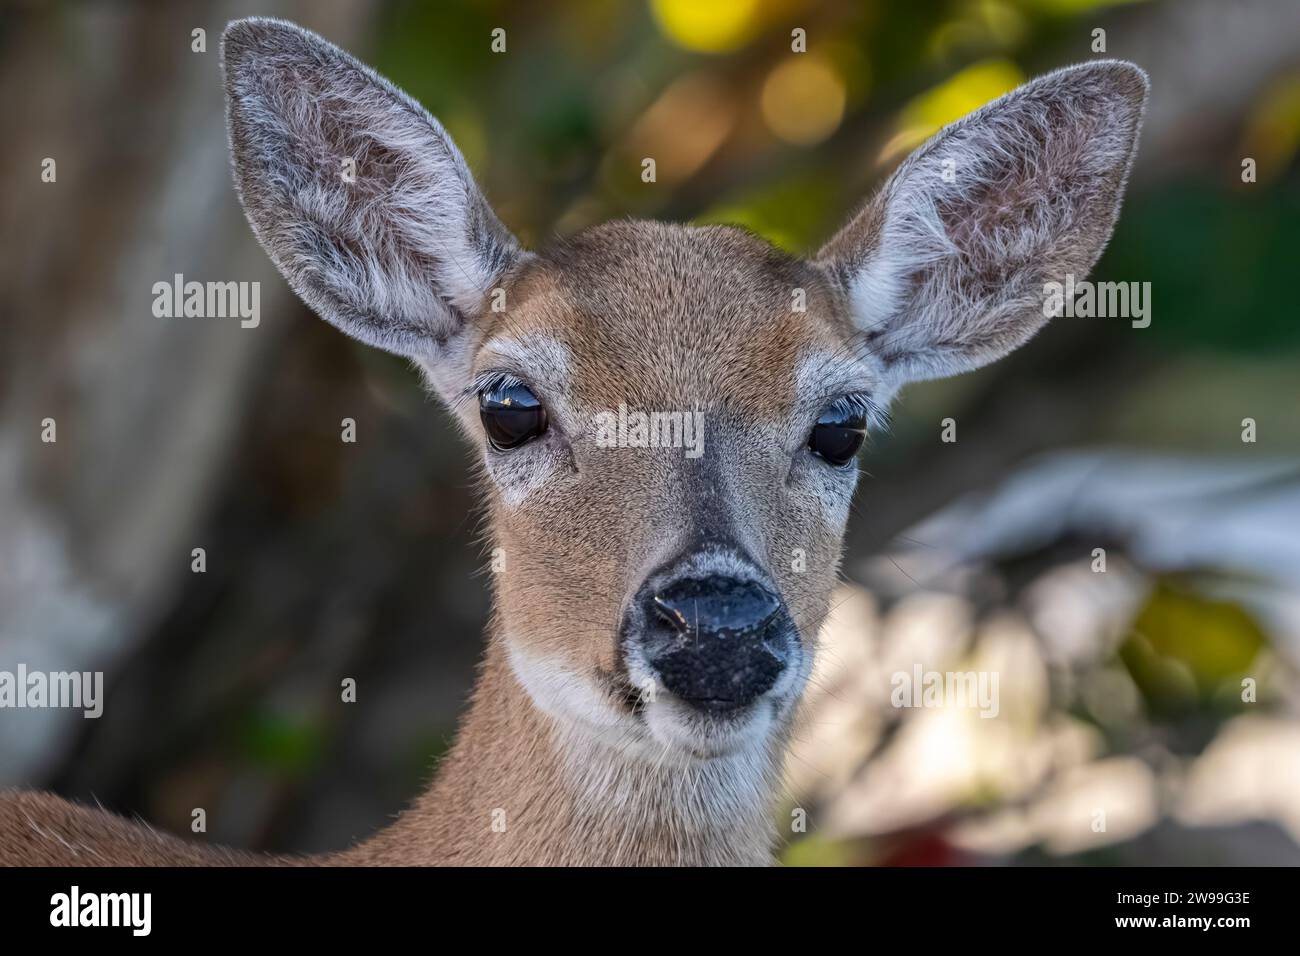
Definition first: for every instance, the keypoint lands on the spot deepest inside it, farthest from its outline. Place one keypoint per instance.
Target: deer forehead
(666, 317)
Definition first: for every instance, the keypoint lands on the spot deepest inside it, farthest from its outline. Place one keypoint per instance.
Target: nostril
(715, 605)
(670, 614)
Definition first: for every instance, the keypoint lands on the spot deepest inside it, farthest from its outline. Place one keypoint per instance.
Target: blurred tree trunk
(97, 527)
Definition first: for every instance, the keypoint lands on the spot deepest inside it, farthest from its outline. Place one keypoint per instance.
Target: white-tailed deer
(659, 606)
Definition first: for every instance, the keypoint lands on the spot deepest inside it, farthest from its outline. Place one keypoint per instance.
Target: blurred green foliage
(1216, 259)
(817, 850)
(1185, 649)
(289, 745)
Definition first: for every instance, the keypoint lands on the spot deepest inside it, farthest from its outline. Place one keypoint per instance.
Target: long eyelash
(876, 416)
(489, 381)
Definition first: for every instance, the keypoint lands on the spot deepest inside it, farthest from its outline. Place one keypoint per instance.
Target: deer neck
(521, 787)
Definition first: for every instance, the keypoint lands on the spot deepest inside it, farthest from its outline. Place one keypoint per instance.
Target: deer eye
(838, 434)
(511, 414)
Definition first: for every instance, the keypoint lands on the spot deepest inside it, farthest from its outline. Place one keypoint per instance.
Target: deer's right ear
(359, 195)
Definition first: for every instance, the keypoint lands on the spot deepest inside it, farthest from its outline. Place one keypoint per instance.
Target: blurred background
(1121, 689)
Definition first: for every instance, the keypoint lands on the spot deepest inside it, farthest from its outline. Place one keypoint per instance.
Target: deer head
(667, 416)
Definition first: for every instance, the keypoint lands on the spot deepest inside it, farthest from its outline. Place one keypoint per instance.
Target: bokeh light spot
(957, 96)
(707, 26)
(803, 100)
(1273, 128)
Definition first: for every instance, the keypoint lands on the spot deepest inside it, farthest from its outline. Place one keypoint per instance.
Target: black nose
(716, 642)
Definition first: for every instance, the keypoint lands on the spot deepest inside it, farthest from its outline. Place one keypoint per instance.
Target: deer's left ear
(944, 268)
